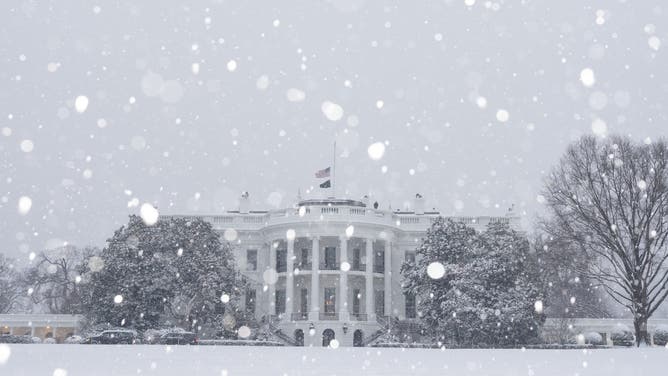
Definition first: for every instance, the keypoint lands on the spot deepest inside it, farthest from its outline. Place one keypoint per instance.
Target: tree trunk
(640, 326)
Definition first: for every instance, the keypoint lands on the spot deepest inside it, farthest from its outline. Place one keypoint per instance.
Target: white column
(315, 280)
(370, 312)
(343, 280)
(289, 280)
(272, 287)
(388, 278)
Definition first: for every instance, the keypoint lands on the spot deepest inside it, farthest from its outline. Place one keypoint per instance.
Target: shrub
(237, 342)
(74, 340)
(593, 338)
(15, 339)
(661, 336)
(622, 338)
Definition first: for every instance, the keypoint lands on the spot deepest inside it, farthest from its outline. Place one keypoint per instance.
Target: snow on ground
(74, 360)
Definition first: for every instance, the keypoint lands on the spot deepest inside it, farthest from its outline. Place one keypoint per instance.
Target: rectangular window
(410, 257)
(281, 260)
(379, 262)
(280, 302)
(356, 301)
(410, 306)
(379, 300)
(303, 263)
(304, 301)
(356, 259)
(330, 300)
(250, 300)
(330, 258)
(251, 259)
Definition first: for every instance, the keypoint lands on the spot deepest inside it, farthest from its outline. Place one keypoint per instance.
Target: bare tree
(571, 293)
(10, 286)
(610, 198)
(55, 276)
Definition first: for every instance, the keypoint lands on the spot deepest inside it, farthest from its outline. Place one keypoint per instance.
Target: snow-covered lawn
(74, 360)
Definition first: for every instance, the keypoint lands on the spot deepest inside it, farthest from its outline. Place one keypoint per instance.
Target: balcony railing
(329, 266)
(299, 316)
(303, 266)
(329, 316)
(359, 316)
(358, 267)
(379, 268)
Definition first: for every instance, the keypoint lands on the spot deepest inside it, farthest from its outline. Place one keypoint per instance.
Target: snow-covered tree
(176, 269)
(610, 199)
(55, 277)
(488, 293)
(570, 292)
(450, 244)
(11, 289)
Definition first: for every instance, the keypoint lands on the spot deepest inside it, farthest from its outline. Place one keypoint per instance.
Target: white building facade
(329, 268)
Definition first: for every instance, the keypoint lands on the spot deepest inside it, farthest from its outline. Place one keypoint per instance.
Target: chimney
(418, 204)
(244, 203)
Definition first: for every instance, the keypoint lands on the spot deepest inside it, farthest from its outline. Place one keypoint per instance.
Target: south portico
(329, 276)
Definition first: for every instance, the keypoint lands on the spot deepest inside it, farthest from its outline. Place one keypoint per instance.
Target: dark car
(113, 337)
(178, 338)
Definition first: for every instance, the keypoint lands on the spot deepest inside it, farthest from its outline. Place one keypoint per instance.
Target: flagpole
(334, 173)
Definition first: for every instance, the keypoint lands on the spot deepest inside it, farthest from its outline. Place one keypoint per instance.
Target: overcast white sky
(190, 103)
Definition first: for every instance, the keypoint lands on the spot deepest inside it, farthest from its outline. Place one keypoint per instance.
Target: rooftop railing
(408, 220)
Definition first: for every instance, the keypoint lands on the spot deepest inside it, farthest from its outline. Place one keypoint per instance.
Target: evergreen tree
(451, 244)
(489, 293)
(177, 269)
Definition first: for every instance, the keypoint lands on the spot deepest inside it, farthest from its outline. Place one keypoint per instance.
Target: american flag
(324, 173)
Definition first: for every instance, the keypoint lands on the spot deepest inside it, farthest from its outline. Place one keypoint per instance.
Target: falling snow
(376, 150)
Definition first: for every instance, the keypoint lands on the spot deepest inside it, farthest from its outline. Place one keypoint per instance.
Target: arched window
(299, 337)
(358, 337)
(327, 336)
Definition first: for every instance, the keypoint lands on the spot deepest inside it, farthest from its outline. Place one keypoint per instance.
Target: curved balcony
(305, 268)
(299, 316)
(359, 316)
(330, 266)
(329, 316)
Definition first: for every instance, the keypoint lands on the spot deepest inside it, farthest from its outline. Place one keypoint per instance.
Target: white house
(329, 268)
